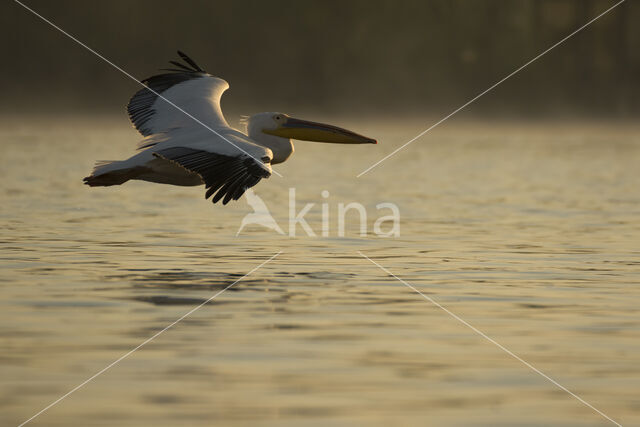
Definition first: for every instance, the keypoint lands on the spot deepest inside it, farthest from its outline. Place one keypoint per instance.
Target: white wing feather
(198, 98)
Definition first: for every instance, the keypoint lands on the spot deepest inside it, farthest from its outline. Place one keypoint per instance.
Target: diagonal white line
(148, 340)
(491, 340)
(138, 81)
(490, 88)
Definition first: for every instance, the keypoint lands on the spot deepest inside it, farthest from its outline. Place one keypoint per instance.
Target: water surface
(530, 233)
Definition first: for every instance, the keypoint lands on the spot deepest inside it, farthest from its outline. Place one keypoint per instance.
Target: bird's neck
(282, 148)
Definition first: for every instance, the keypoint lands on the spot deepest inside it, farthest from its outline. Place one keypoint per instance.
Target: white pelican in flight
(188, 141)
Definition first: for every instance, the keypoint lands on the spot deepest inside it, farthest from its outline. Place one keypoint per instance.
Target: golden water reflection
(530, 233)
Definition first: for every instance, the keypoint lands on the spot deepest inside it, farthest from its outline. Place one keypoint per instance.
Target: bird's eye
(278, 117)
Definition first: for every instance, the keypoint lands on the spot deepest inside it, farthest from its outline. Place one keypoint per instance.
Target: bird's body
(188, 141)
(148, 166)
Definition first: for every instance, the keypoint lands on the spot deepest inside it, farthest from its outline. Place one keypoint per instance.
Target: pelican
(188, 142)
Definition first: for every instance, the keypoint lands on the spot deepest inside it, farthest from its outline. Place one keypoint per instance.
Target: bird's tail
(109, 172)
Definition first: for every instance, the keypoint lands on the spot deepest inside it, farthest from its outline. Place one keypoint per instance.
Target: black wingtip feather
(226, 178)
(178, 64)
(190, 61)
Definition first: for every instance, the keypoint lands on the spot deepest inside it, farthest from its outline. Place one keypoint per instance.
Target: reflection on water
(529, 233)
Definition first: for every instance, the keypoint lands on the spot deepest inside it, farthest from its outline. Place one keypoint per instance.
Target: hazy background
(357, 57)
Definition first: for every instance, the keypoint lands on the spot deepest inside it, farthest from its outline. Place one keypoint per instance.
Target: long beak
(319, 132)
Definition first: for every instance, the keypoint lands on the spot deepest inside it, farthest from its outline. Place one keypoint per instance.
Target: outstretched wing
(227, 176)
(179, 98)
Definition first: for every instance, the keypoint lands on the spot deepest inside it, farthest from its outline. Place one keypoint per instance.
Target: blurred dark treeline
(360, 57)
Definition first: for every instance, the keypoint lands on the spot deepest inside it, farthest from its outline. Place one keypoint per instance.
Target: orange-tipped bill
(318, 132)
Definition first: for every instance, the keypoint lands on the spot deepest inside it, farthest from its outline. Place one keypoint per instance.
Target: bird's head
(280, 124)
